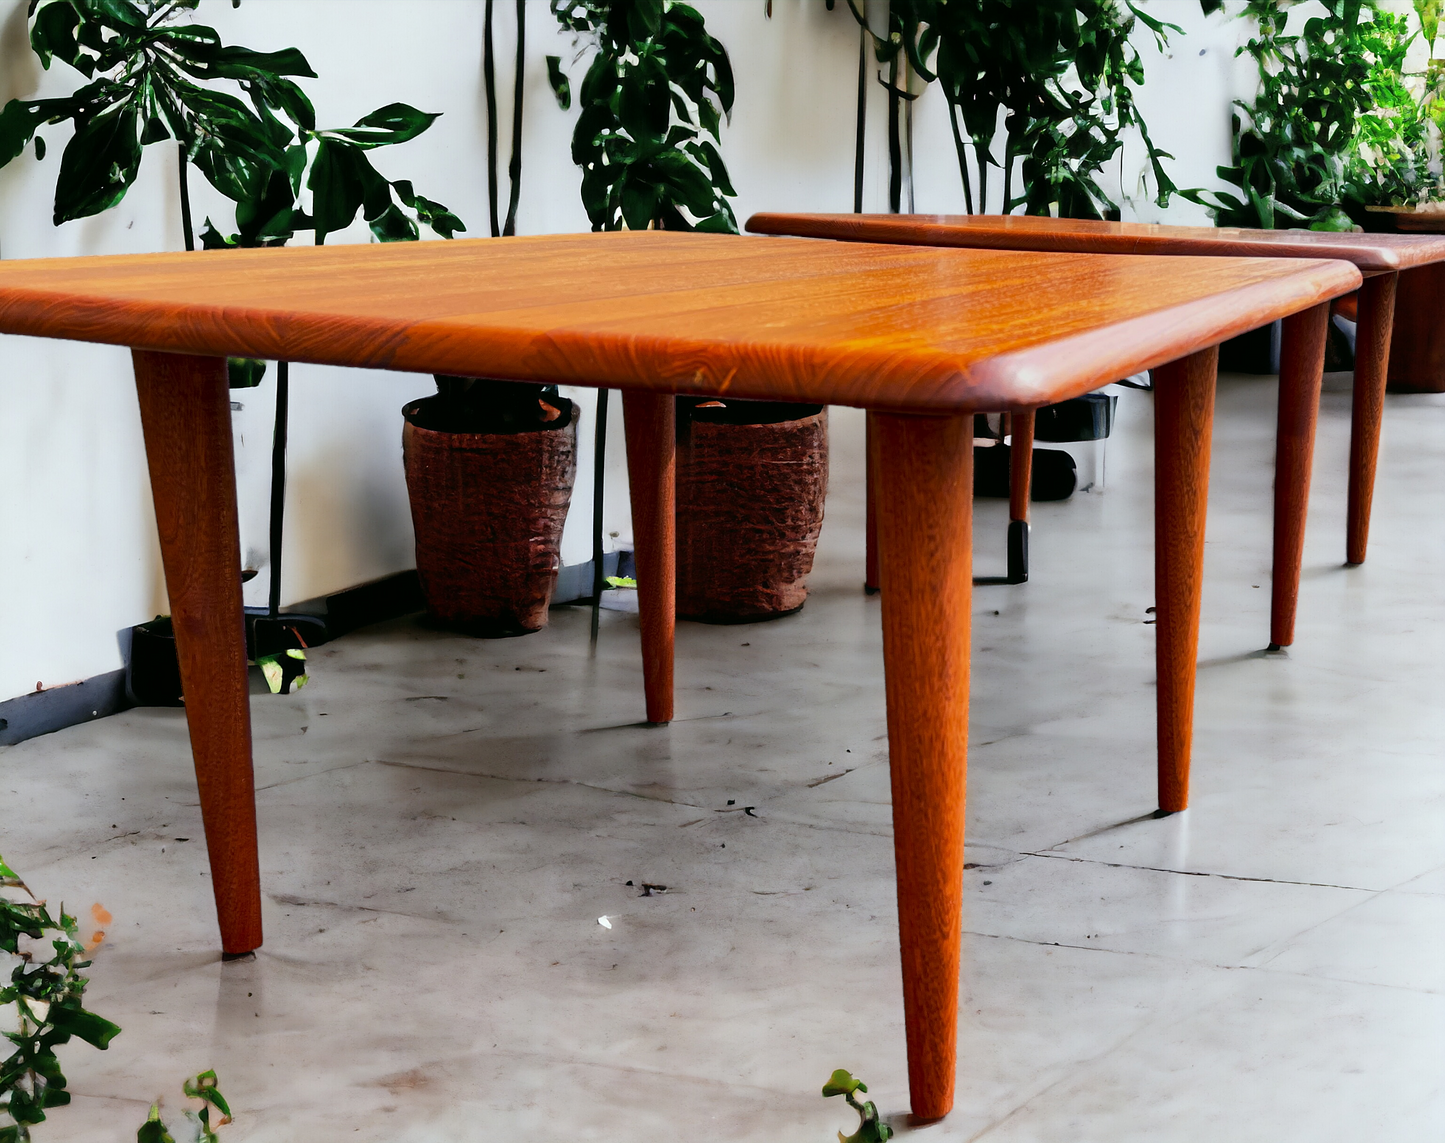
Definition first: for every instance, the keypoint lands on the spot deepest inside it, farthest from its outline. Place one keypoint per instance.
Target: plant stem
(186, 228)
(599, 464)
(1008, 170)
(962, 157)
(489, 75)
(514, 170)
(862, 120)
(895, 146)
(980, 153)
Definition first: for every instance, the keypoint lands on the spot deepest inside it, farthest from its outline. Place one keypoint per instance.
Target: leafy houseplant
(152, 78)
(652, 105)
(1289, 159)
(490, 464)
(44, 1002)
(1062, 74)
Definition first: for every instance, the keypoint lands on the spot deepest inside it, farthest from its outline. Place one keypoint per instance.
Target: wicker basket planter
(751, 478)
(488, 510)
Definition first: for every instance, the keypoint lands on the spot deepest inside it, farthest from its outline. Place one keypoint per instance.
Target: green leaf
(19, 121)
(153, 1130)
(561, 86)
(7, 873)
(394, 123)
(204, 1086)
(841, 1082)
(94, 1030)
(99, 164)
(243, 372)
(338, 183)
(392, 225)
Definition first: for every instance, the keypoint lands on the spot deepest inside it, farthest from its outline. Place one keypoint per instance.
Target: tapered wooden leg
(185, 413)
(1021, 464)
(1183, 419)
(650, 422)
(1372, 361)
(870, 557)
(925, 501)
(1301, 365)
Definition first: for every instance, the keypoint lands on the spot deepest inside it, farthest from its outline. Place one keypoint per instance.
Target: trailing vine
(43, 1003)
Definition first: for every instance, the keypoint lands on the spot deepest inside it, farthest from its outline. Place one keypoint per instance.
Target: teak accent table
(921, 336)
(1380, 257)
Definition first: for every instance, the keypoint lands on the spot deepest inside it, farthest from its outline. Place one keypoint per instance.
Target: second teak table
(1380, 258)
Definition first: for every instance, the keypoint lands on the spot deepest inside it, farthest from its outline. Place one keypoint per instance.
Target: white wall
(79, 559)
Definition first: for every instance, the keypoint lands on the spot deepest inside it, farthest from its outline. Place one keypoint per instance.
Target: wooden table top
(888, 327)
(1372, 253)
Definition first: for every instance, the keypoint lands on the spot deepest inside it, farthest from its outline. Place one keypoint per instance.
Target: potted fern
(751, 476)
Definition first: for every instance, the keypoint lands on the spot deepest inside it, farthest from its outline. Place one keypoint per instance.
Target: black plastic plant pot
(153, 674)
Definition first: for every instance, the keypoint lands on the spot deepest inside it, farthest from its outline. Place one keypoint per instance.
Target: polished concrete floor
(444, 822)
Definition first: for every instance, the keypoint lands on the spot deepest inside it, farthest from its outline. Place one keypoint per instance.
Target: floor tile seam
(536, 781)
(306, 903)
(1346, 980)
(1162, 957)
(306, 777)
(1078, 1067)
(1284, 944)
(1200, 873)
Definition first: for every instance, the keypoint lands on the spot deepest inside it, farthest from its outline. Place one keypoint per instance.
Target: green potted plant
(1341, 136)
(490, 464)
(151, 79)
(652, 105)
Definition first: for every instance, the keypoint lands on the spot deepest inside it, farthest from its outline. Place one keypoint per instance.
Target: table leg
(1372, 362)
(1302, 361)
(650, 423)
(185, 410)
(1183, 419)
(1020, 488)
(925, 523)
(870, 564)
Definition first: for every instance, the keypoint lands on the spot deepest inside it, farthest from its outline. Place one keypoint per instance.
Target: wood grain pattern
(1370, 252)
(650, 421)
(1183, 420)
(1302, 362)
(925, 502)
(1372, 358)
(890, 327)
(185, 407)
(1021, 463)
(1417, 345)
(870, 522)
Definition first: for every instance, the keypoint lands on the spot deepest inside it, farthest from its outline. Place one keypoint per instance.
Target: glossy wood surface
(891, 327)
(1417, 345)
(1372, 361)
(1370, 252)
(1021, 463)
(1183, 421)
(650, 423)
(185, 406)
(1302, 362)
(925, 513)
(870, 522)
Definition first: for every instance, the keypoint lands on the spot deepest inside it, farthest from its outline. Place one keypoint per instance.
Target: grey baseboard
(574, 581)
(45, 711)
